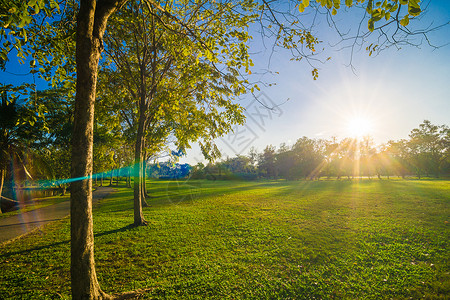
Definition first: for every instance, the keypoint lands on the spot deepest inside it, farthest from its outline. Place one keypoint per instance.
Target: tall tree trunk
(144, 185)
(143, 182)
(138, 214)
(143, 193)
(129, 178)
(91, 24)
(2, 178)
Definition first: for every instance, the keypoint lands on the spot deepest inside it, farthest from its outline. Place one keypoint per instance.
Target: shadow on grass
(53, 245)
(178, 192)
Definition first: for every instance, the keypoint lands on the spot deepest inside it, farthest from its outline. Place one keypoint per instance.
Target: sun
(359, 127)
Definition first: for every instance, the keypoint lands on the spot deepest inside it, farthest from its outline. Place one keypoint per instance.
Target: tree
(177, 88)
(17, 118)
(52, 133)
(307, 158)
(266, 162)
(8, 146)
(428, 146)
(91, 24)
(284, 161)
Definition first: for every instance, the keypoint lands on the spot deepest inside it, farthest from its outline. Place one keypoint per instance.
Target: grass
(35, 204)
(364, 239)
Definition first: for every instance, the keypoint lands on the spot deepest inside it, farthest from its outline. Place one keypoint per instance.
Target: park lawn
(366, 239)
(35, 204)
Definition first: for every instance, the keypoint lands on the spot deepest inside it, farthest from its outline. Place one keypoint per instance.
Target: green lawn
(365, 239)
(35, 204)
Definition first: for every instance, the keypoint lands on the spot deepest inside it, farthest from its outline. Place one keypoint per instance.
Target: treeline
(424, 153)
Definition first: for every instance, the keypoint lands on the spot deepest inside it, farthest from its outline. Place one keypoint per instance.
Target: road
(20, 224)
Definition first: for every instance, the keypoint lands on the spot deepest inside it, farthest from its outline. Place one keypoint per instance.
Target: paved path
(15, 226)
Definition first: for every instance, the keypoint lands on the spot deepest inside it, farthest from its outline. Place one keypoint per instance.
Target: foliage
(429, 148)
(17, 120)
(377, 10)
(168, 170)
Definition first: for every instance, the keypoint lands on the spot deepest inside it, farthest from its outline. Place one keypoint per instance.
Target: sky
(393, 91)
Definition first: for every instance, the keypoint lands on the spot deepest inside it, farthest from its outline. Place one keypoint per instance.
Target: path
(15, 226)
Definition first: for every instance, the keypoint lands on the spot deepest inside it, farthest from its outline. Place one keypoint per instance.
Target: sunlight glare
(359, 127)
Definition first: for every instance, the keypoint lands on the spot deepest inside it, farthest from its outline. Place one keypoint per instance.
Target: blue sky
(396, 90)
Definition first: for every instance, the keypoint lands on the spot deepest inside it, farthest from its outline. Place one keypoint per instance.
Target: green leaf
(329, 4)
(414, 8)
(377, 14)
(405, 21)
(369, 7)
(371, 24)
(305, 3)
(348, 3)
(337, 4)
(394, 8)
(301, 8)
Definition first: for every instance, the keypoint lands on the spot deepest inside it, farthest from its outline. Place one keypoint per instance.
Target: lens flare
(359, 127)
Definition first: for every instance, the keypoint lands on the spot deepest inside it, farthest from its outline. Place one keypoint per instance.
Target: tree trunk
(144, 184)
(91, 24)
(2, 178)
(144, 171)
(129, 178)
(138, 215)
(63, 189)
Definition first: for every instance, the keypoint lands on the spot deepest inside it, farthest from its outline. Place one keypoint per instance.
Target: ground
(367, 239)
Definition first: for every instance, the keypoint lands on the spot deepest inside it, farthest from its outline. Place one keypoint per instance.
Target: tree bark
(144, 186)
(138, 214)
(129, 178)
(91, 24)
(144, 176)
(2, 178)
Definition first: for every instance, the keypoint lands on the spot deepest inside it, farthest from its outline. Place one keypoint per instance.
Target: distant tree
(367, 156)
(331, 152)
(266, 162)
(285, 161)
(239, 165)
(428, 146)
(398, 156)
(197, 171)
(307, 158)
